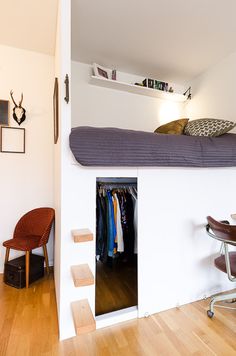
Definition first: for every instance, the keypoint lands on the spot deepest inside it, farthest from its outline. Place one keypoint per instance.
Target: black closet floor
(116, 286)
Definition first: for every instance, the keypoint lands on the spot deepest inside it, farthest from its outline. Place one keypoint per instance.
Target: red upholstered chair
(226, 262)
(31, 231)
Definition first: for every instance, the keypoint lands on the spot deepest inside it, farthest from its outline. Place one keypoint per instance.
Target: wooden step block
(82, 235)
(82, 275)
(233, 216)
(83, 318)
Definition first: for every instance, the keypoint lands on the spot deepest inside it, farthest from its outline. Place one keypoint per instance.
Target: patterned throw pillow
(173, 128)
(208, 127)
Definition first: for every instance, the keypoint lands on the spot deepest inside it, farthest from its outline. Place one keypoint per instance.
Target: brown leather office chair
(226, 262)
(31, 231)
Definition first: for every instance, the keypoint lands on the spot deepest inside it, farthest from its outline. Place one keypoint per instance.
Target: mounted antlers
(20, 102)
(18, 110)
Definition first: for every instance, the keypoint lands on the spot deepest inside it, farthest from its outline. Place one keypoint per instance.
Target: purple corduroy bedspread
(113, 147)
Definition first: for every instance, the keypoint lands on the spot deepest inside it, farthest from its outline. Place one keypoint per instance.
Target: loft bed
(113, 147)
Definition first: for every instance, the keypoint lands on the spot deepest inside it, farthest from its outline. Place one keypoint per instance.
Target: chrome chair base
(226, 298)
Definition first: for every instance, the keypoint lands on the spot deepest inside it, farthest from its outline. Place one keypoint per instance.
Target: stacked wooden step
(82, 276)
(82, 235)
(83, 318)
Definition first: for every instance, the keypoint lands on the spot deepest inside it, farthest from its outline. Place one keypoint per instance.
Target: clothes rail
(115, 185)
(118, 180)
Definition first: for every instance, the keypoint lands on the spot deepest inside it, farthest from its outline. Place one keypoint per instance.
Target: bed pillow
(208, 127)
(174, 127)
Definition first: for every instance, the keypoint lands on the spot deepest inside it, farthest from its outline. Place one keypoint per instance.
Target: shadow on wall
(194, 229)
(207, 265)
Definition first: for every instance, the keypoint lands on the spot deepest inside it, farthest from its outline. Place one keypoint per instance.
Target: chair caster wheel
(210, 314)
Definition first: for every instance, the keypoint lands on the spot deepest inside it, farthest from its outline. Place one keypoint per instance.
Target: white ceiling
(29, 24)
(172, 40)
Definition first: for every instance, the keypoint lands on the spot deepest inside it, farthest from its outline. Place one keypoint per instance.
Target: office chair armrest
(222, 221)
(210, 233)
(225, 222)
(208, 230)
(227, 263)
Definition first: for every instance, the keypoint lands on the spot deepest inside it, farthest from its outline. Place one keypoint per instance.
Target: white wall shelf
(136, 89)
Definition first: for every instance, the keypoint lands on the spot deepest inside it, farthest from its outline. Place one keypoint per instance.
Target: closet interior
(116, 244)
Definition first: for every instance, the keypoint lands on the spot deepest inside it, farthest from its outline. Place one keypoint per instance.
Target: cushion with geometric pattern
(208, 127)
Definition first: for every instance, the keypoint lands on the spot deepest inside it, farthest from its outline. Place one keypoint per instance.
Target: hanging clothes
(119, 231)
(135, 205)
(135, 226)
(111, 227)
(116, 219)
(129, 236)
(101, 228)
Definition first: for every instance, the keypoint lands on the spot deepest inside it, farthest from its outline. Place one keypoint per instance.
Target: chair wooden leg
(27, 262)
(46, 257)
(7, 254)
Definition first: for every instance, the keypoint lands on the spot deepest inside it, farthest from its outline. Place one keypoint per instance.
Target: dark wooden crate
(14, 270)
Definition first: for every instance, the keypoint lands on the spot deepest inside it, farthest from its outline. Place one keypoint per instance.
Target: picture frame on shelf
(100, 71)
(4, 112)
(12, 140)
(113, 74)
(55, 111)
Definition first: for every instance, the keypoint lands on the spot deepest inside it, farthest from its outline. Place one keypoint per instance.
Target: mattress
(113, 147)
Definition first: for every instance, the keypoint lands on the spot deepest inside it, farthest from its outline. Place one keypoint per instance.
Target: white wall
(97, 106)
(214, 92)
(26, 180)
(176, 257)
(175, 254)
(57, 173)
(63, 187)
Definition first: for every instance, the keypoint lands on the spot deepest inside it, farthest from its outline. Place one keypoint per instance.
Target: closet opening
(116, 245)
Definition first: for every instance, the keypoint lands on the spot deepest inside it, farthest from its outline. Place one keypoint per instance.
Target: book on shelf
(155, 84)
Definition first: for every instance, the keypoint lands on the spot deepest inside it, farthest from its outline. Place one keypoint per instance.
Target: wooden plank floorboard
(28, 326)
(116, 286)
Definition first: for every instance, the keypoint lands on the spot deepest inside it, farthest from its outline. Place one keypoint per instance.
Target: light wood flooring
(28, 327)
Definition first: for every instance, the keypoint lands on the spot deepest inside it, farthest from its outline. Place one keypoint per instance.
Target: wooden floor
(28, 327)
(116, 286)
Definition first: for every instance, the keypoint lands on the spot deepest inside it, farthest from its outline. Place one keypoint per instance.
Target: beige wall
(214, 92)
(26, 180)
(97, 106)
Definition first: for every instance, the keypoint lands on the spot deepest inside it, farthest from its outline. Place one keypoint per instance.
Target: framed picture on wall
(4, 112)
(12, 140)
(56, 111)
(103, 72)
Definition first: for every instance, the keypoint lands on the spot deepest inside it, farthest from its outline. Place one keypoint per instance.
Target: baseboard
(116, 317)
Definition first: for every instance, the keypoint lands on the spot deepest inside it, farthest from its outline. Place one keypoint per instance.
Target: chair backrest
(37, 222)
(222, 230)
